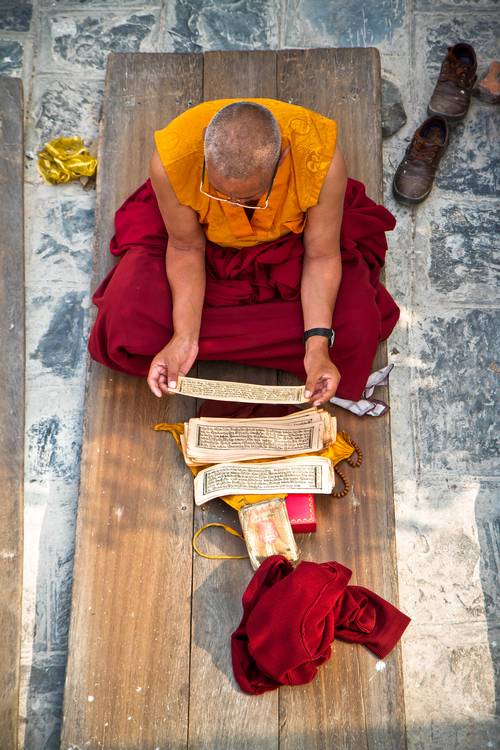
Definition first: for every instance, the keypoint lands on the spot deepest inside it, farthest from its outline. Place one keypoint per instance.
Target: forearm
(321, 276)
(186, 277)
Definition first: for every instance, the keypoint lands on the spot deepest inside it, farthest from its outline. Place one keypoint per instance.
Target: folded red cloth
(291, 616)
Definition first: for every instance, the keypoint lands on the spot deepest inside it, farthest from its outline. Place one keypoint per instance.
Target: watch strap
(328, 332)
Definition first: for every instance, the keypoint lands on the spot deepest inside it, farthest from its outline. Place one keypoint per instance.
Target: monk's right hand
(175, 359)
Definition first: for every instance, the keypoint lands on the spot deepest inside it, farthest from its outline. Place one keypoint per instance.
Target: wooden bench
(149, 651)
(11, 400)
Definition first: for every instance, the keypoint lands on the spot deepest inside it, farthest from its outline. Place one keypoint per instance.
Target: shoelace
(455, 72)
(424, 151)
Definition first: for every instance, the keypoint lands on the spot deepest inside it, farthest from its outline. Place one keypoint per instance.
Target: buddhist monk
(248, 243)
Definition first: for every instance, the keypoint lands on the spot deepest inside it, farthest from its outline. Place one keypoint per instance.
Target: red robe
(252, 312)
(291, 617)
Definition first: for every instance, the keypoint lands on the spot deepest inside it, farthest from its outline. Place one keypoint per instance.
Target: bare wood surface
(221, 717)
(128, 667)
(11, 400)
(350, 704)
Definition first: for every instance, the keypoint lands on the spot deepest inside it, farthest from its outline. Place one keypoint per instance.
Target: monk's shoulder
(183, 136)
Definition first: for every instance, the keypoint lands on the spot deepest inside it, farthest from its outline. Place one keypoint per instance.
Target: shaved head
(242, 140)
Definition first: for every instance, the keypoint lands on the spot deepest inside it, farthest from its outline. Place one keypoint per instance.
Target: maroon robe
(252, 312)
(291, 617)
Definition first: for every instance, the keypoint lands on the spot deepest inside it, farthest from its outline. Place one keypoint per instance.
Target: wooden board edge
(13, 554)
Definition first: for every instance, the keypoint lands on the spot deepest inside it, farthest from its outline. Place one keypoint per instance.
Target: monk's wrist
(186, 337)
(317, 344)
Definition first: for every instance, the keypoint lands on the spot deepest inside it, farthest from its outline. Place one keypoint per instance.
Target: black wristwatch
(328, 332)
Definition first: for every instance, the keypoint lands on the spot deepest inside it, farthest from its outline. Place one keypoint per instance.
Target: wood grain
(127, 683)
(221, 717)
(11, 400)
(137, 644)
(350, 705)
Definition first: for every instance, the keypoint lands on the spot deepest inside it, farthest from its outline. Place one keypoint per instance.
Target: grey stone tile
(57, 327)
(314, 23)
(60, 590)
(54, 435)
(41, 718)
(102, 4)
(454, 5)
(11, 57)
(472, 161)
(456, 357)
(197, 25)
(81, 42)
(395, 146)
(399, 259)
(63, 106)
(51, 503)
(450, 687)
(450, 533)
(61, 237)
(456, 255)
(46, 615)
(15, 15)
(402, 417)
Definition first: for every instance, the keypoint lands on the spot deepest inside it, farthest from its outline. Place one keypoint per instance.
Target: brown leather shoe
(414, 177)
(452, 93)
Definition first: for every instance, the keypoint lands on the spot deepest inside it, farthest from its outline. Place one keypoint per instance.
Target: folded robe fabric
(252, 312)
(292, 615)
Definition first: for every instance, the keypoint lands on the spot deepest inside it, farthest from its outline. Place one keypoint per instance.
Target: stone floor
(441, 270)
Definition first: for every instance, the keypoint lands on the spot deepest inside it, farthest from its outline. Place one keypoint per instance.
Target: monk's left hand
(322, 376)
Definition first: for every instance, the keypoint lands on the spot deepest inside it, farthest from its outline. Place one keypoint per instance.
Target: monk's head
(242, 148)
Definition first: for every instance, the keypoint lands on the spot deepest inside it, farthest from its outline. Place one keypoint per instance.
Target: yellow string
(230, 530)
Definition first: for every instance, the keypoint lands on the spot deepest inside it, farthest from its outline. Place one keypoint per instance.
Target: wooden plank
(11, 400)
(128, 665)
(350, 705)
(221, 717)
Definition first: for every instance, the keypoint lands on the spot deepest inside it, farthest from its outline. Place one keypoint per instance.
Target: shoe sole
(402, 198)
(449, 118)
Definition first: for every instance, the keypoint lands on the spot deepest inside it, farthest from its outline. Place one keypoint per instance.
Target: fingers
(172, 378)
(323, 389)
(157, 378)
(162, 382)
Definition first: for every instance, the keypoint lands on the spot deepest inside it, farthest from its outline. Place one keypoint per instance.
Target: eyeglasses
(236, 203)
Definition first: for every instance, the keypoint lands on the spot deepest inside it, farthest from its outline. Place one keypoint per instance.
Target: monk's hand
(322, 376)
(175, 359)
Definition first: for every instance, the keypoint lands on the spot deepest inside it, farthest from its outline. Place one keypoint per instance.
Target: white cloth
(367, 406)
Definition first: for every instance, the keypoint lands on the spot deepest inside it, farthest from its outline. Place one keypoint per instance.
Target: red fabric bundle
(291, 616)
(252, 312)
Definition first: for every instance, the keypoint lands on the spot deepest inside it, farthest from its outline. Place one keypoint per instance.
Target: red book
(301, 512)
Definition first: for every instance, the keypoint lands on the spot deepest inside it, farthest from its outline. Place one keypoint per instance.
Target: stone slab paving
(442, 269)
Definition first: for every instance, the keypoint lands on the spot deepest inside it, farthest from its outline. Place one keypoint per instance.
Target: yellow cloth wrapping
(338, 451)
(65, 159)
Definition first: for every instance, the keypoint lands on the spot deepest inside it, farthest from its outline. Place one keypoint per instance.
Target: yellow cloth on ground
(338, 451)
(65, 159)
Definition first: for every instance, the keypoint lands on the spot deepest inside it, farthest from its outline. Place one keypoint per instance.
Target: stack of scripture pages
(225, 442)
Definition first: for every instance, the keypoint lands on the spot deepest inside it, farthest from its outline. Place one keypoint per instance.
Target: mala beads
(352, 462)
